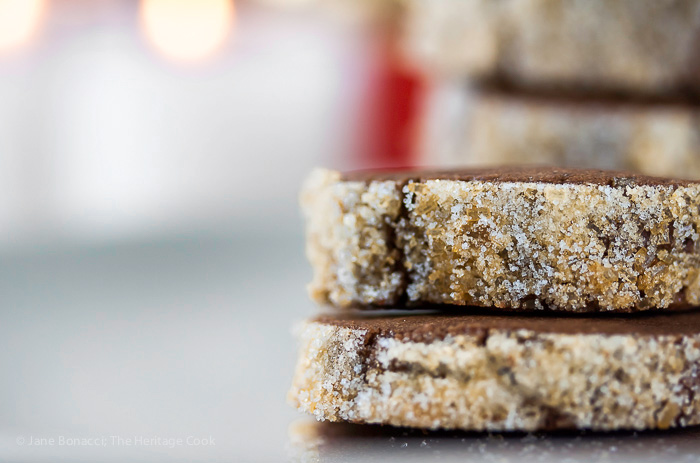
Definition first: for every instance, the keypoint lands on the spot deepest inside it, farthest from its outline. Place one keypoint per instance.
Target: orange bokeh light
(19, 21)
(186, 30)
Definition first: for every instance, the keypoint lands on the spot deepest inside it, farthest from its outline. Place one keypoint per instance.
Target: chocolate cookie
(505, 373)
(509, 238)
(499, 127)
(596, 46)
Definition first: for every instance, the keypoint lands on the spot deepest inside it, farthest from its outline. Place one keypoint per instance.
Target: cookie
(509, 238)
(620, 46)
(496, 127)
(501, 373)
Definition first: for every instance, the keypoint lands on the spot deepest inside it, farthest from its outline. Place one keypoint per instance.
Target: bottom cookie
(501, 373)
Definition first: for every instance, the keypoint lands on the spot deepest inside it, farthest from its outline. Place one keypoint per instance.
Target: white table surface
(146, 351)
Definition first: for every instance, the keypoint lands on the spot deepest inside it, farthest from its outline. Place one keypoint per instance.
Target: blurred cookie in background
(491, 127)
(613, 47)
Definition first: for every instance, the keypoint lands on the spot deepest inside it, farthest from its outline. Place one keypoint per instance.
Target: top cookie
(633, 47)
(508, 238)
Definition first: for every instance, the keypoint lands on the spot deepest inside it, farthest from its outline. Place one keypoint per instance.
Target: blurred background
(135, 118)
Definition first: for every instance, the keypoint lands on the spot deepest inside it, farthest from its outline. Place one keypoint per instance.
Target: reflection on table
(311, 441)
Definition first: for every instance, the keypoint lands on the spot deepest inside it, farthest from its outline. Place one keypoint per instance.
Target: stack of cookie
(599, 83)
(541, 298)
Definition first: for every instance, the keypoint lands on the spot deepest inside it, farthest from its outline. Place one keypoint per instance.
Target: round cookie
(495, 127)
(620, 46)
(510, 238)
(502, 373)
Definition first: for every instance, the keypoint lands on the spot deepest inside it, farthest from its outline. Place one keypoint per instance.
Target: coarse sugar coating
(502, 373)
(508, 238)
(634, 47)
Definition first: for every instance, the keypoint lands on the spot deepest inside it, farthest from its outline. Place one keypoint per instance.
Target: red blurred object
(390, 128)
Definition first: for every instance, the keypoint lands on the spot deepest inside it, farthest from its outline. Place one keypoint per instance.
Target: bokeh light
(187, 30)
(19, 21)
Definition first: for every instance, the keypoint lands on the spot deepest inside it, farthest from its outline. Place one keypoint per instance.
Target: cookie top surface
(521, 174)
(435, 326)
